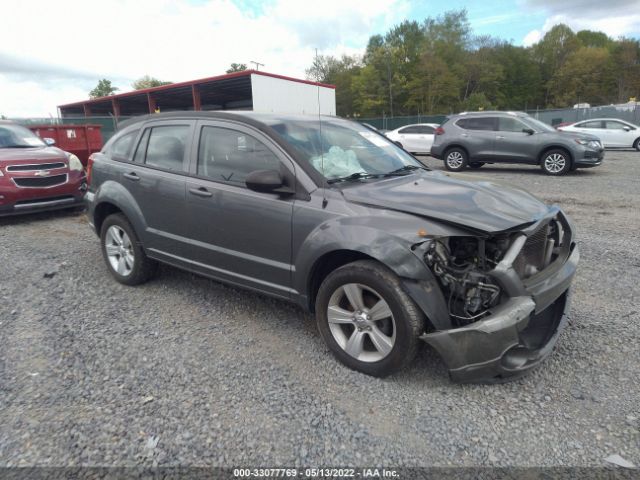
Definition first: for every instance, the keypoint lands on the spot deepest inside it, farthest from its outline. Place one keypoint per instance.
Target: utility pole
(257, 64)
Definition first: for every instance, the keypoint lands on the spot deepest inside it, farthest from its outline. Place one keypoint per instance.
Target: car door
(513, 144)
(478, 136)
(156, 180)
(236, 234)
(424, 138)
(409, 138)
(618, 134)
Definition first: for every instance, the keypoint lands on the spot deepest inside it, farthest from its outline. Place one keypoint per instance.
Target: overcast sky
(54, 52)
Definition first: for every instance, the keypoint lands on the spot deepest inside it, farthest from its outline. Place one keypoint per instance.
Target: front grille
(40, 182)
(531, 258)
(35, 167)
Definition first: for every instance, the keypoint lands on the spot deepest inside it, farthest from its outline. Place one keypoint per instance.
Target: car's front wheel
(636, 144)
(122, 252)
(555, 162)
(367, 320)
(455, 159)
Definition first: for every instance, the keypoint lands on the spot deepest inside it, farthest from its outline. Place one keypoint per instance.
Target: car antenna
(324, 179)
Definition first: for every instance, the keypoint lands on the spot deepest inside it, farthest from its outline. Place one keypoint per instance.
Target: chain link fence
(627, 111)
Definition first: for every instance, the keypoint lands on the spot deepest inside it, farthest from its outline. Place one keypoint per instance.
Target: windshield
(16, 136)
(538, 125)
(339, 148)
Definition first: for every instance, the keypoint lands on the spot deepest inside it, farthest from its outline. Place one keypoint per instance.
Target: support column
(87, 110)
(115, 107)
(195, 92)
(152, 103)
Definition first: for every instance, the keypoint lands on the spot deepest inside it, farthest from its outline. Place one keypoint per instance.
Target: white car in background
(416, 138)
(612, 132)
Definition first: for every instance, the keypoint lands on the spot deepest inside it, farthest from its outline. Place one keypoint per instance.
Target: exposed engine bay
(461, 265)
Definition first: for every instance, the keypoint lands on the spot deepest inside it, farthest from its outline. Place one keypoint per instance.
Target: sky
(54, 52)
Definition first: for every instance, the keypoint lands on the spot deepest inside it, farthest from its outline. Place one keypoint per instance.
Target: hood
(36, 154)
(580, 135)
(459, 199)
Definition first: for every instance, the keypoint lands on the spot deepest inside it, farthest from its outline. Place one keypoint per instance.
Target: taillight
(439, 131)
(89, 168)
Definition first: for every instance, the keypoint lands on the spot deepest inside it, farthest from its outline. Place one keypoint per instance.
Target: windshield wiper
(354, 176)
(404, 170)
(18, 146)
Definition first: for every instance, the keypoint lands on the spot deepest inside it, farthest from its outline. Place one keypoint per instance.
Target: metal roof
(181, 87)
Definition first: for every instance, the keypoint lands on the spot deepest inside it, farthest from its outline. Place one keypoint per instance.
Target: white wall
(276, 95)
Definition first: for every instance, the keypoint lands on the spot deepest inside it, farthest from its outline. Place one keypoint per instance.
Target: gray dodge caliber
(336, 218)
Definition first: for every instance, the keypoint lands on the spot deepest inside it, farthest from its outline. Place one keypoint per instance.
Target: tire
(395, 335)
(636, 144)
(125, 252)
(555, 162)
(455, 159)
(476, 165)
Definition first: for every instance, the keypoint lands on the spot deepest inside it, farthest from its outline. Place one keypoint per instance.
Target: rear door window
(121, 148)
(597, 124)
(166, 147)
(613, 125)
(478, 123)
(412, 129)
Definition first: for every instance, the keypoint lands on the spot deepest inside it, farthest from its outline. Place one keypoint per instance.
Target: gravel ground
(186, 371)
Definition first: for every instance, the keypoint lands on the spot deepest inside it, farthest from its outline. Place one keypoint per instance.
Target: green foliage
(439, 66)
(103, 89)
(237, 67)
(148, 82)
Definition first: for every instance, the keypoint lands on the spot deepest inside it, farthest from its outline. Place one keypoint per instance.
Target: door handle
(132, 176)
(464, 134)
(499, 137)
(200, 192)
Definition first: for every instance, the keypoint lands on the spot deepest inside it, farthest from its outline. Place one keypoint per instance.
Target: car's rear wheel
(368, 322)
(455, 159)
(555, 162)
(122, 252)
(476, 164)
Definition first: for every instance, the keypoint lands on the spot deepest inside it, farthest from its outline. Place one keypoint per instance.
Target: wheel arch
(113, 198)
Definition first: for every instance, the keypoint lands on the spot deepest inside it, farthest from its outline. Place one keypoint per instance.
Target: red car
(36, 176)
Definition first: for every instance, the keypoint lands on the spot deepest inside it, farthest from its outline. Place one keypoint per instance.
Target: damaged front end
(506, 297)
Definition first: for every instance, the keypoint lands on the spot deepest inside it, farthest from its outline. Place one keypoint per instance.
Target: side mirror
(49, 141)
(529, 131)
(267, 181)
(398, 143)
(626, 128)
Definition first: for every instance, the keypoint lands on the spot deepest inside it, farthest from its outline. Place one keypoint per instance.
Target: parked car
(416, 138)
(35, 175)
(473, 139)
(341, 221)
(612, 132)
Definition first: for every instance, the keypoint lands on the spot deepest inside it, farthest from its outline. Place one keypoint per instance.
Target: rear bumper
(436, 151)
(518, 335)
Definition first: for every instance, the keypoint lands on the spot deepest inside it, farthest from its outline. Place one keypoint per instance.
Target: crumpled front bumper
(518, 335)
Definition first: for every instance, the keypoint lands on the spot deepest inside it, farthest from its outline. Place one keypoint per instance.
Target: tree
(237, 67)
(148, 82)
(103, 89)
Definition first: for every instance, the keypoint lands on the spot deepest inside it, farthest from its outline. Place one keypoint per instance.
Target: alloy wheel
(361, 322)
(555, 163)
(119, 250)
(455, 159)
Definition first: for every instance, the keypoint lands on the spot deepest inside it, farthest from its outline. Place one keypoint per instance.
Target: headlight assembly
(75, 163)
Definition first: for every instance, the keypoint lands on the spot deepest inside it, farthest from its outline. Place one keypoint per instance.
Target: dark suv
(473, 139)
(338, 219)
